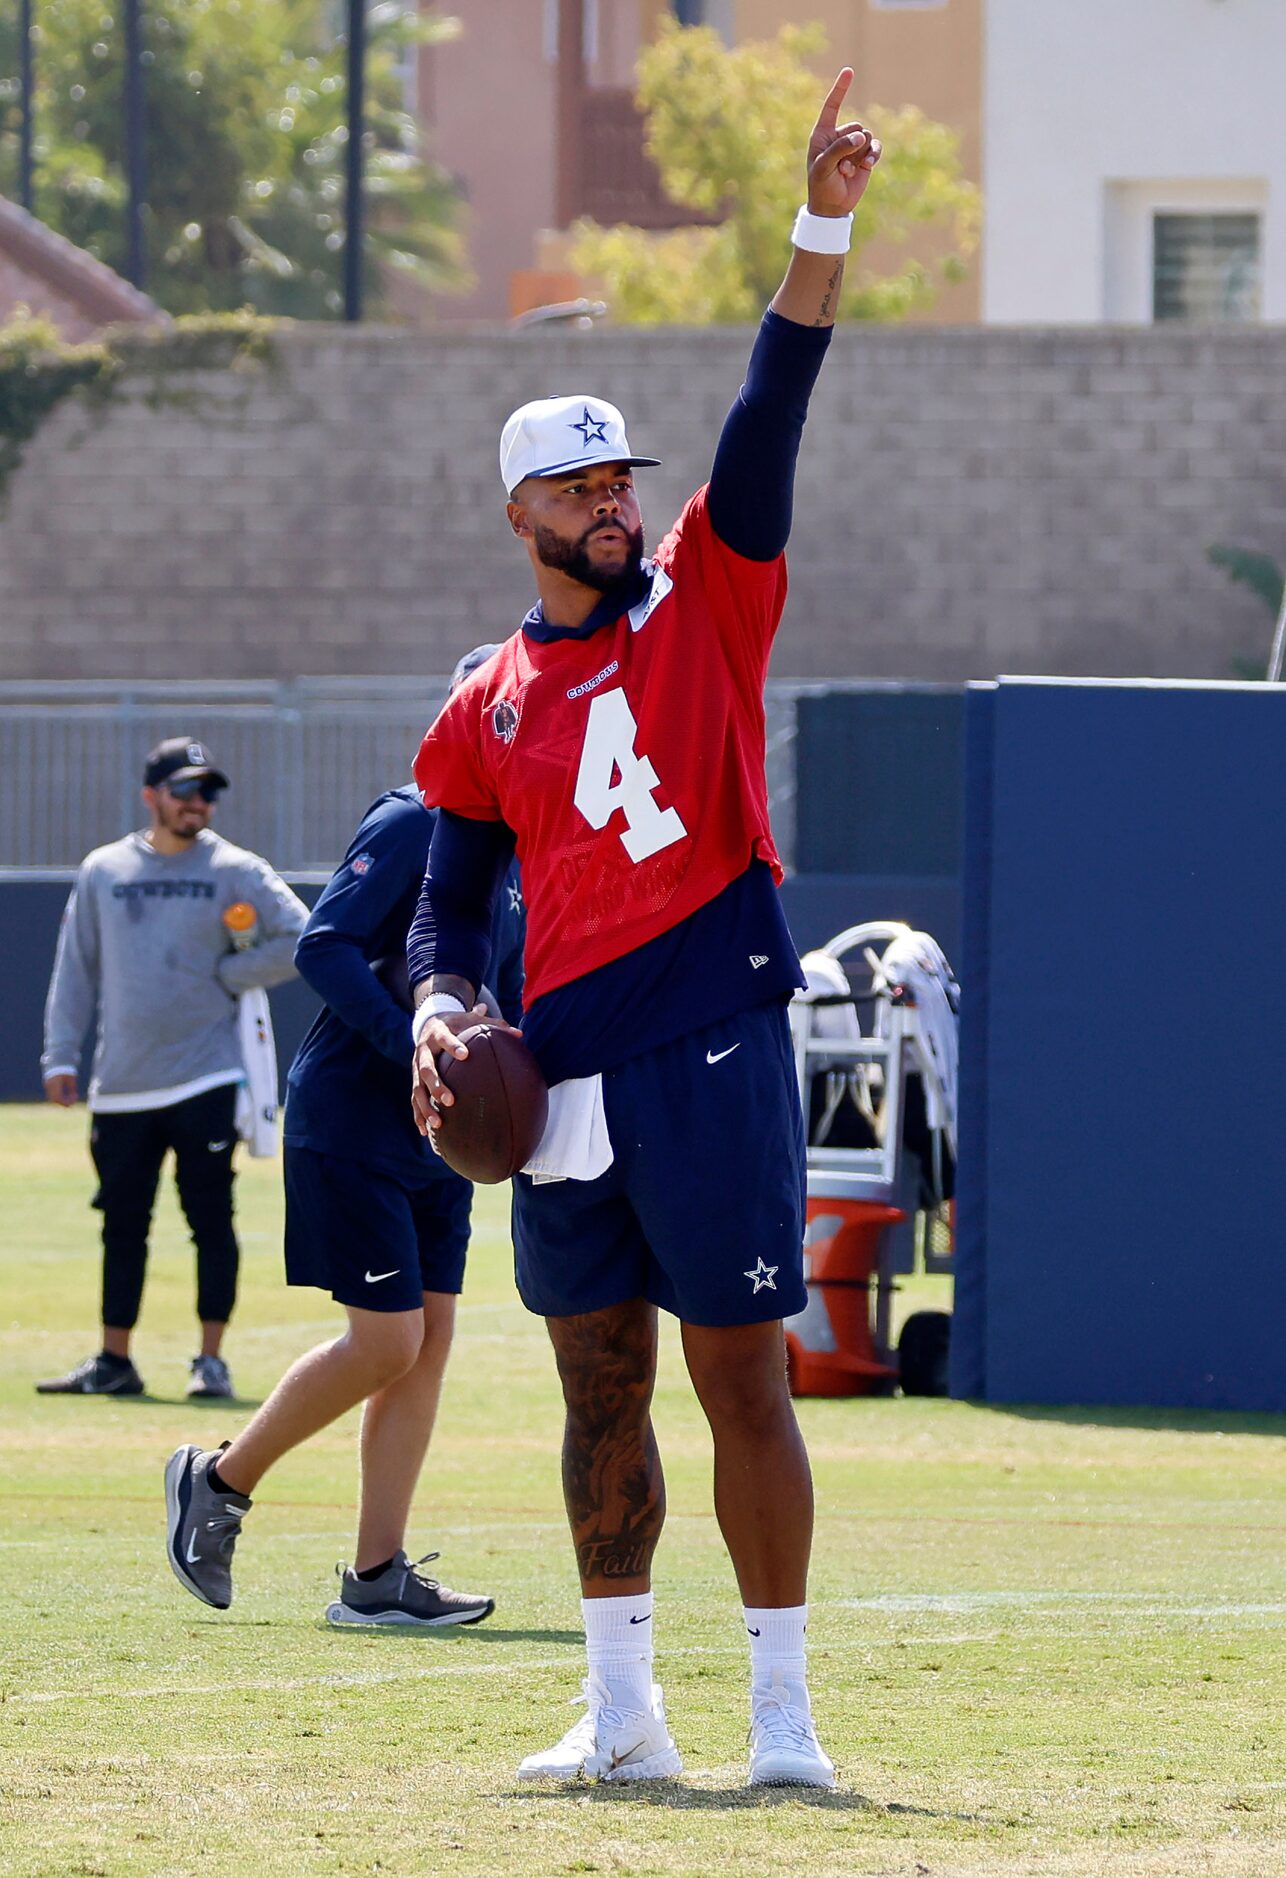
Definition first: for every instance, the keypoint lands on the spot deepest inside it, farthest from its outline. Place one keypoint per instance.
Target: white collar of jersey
(640, 614)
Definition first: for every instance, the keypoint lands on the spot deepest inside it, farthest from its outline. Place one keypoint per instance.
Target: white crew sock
(777, 1647)
(618, 1642)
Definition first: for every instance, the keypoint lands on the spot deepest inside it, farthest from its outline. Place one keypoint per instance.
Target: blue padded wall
(30, 913)
(817, 907)
(968, 1358)
(877, 774)
(1122, 1200)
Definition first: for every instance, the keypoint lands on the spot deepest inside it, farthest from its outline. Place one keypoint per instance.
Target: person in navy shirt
(373, 1216)
(616, 743)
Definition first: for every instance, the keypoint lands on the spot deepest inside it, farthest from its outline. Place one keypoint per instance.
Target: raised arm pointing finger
(840, 161)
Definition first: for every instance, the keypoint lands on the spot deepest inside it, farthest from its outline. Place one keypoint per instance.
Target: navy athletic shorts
(702, 1209)
(366, 1238)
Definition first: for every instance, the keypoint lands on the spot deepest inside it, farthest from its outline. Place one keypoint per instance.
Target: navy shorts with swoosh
(702, 1209)
(368, 1239)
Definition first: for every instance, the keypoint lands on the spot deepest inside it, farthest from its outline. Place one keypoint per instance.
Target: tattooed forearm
(825, 317)
(612, 1479)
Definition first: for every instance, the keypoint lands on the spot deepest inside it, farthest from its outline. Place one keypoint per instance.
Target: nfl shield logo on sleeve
(362, 863)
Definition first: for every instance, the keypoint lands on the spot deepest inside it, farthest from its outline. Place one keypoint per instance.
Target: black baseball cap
(177, 759)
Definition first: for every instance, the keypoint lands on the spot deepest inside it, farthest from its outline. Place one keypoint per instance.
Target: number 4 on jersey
(612, 776)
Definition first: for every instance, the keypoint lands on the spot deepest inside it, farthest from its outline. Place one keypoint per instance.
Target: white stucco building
(1134, 160)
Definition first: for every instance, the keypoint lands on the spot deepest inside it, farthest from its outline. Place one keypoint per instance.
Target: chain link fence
(305, 756)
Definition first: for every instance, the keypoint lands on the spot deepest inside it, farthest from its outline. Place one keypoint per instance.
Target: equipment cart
(875, 1038)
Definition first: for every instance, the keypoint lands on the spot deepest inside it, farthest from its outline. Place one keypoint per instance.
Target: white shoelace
(594, 1694)
(780, 1722)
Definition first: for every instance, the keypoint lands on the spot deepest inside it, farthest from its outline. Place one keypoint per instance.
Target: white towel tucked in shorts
(575, 1144)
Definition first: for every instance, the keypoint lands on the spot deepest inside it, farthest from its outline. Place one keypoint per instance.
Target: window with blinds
(1205, 267)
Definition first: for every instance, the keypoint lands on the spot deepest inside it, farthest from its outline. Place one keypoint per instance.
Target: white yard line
(964, 1603)
(470, 1666)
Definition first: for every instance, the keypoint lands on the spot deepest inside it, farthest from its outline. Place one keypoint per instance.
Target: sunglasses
(194, 786)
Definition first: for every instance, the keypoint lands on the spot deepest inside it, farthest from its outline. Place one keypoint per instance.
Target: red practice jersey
(629, 764)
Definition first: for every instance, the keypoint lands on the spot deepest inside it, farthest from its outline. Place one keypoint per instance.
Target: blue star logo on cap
(592, 429)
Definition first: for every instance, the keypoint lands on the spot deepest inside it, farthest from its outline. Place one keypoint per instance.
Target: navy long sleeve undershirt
(751, 500)
(451, 931)
(752, 483)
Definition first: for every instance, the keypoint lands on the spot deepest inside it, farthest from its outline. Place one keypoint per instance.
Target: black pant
(128, 1150)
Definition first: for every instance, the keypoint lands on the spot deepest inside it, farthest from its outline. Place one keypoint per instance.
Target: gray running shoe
(203, 1526)
(95, 1377)
(403, 1596)
(209, 1377)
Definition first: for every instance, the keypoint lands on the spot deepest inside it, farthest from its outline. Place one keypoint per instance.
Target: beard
(573, 558)
(178, 820)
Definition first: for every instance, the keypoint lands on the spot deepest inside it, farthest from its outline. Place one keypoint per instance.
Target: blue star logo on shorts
(515, 897)
(763, 1275)
(592, 429)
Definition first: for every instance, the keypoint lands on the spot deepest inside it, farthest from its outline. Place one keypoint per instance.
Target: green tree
(245, 140)
(1266, 579)
(1257, 571)
(725, 130)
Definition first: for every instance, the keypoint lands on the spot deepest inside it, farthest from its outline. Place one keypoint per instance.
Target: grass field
(1042, 1642)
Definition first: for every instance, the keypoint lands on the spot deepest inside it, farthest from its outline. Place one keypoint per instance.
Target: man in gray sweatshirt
(162, 932)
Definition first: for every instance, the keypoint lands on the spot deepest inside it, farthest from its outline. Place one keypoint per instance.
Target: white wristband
(433, 1006)
(822, 234)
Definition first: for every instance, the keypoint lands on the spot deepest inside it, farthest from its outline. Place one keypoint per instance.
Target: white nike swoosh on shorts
(373, 1278)
(215, 1147)
(711, 1057)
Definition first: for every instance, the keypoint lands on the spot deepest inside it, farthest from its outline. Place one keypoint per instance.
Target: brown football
(493, 1126)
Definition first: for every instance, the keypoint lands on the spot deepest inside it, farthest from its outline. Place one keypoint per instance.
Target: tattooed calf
(612, 1479)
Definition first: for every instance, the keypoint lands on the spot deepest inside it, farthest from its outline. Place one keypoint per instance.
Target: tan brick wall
(969, 502)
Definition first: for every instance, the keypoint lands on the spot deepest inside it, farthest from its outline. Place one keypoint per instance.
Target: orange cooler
(830, 1349)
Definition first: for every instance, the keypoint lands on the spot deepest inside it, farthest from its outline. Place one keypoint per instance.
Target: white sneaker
(609, 1744)
(784, 1749)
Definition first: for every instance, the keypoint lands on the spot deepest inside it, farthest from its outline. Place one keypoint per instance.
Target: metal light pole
(354, 211)
(135, 156)
(570, 92)
(26, 85)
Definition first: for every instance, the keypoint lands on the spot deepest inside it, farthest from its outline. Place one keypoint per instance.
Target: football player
(618, 736)
(373, 1217)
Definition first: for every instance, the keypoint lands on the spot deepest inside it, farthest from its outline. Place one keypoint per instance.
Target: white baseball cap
(554, 435)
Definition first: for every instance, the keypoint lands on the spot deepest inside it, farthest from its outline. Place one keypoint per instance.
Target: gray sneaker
(403, 1596)
(95, 1376)
(203, 1526)
(209, 1376)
